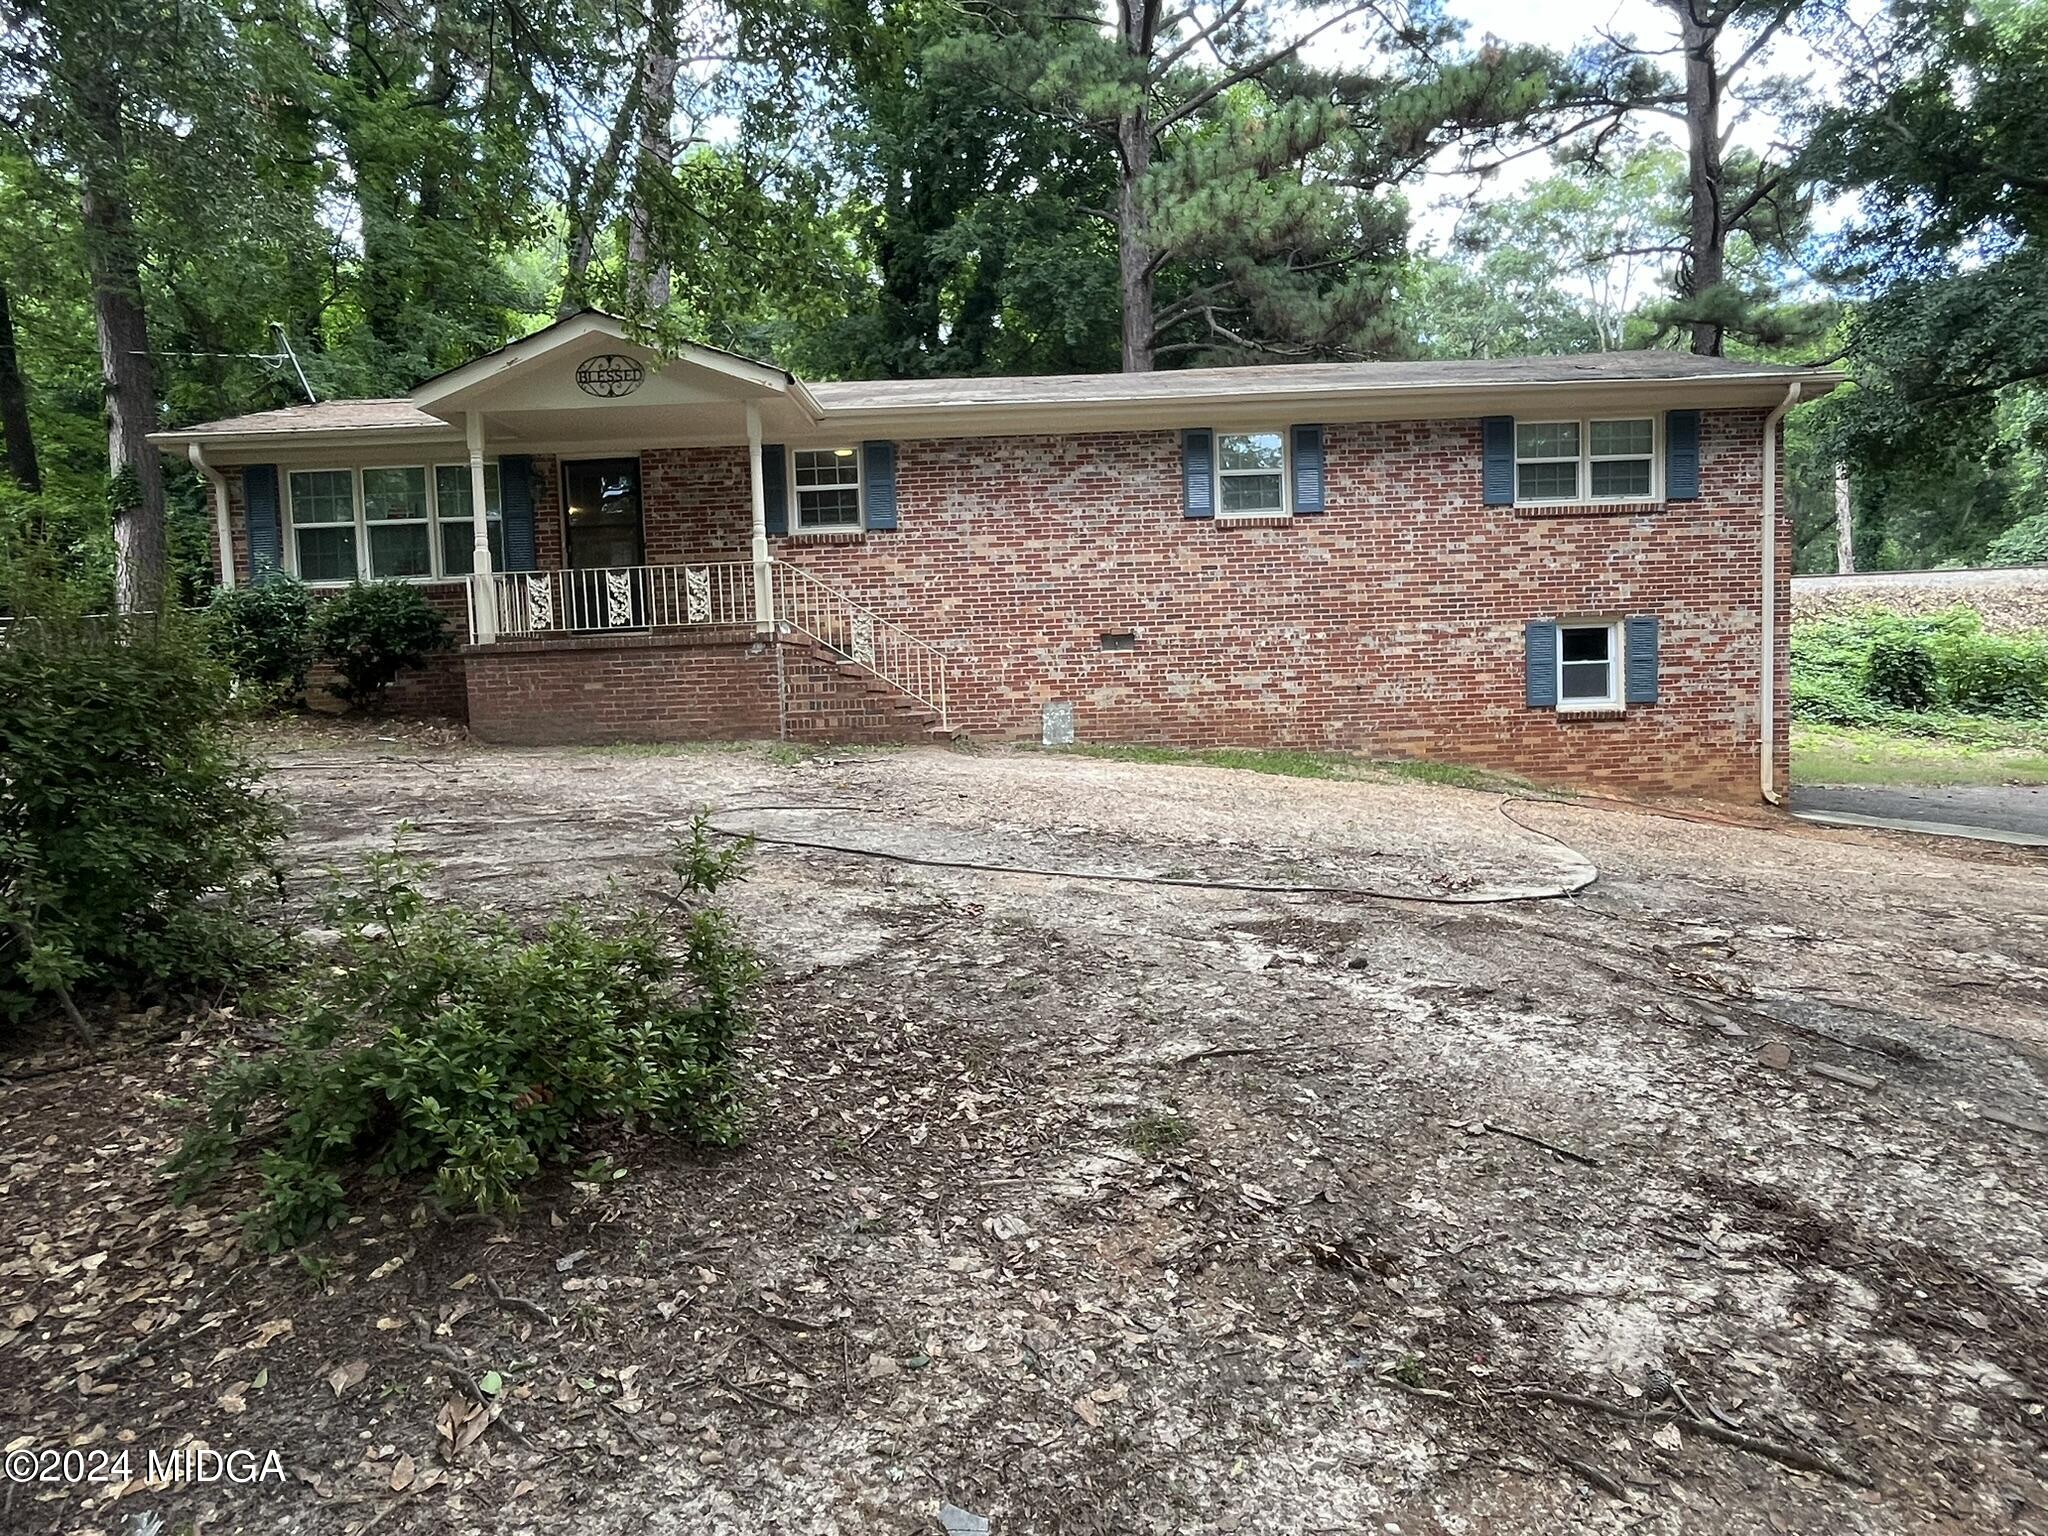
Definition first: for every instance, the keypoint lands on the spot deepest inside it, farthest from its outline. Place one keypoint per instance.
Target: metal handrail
(855, 632)
(534, 605)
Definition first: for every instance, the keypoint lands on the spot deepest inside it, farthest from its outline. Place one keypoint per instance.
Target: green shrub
(132, 835)
(2024, 543)
(1993, 674)
(264, 635)
(1899, 671)
(372, 632)
(439, 1041)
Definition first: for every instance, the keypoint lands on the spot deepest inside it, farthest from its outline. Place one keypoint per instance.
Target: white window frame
(438, 572)
(1584, 496)
(1616, 666)
(1218, 473)
(426, 519)
(290, 514)
(434, 500)
(796, 499)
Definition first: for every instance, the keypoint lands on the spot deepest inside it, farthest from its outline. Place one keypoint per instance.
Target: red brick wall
(681, 685)
(1391, 624)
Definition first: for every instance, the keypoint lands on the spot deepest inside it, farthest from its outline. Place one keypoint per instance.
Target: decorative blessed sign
(609, 375)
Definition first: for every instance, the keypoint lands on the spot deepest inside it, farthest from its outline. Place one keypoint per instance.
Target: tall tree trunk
(385, 285)
(589, 197)
(21, 442)
(1705, 263)
(1845, 523)
(1138, 27)
(140, 556)
(648, 273)
(1133, 250)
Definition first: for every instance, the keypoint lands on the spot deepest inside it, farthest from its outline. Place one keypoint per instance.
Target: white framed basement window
(827, 486)
(1592, 460)
(1251, 474)
(1589, 665)
(389, 522)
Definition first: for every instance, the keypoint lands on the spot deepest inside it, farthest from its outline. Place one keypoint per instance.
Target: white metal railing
(534, 605)
(807, 606)
(537, 605)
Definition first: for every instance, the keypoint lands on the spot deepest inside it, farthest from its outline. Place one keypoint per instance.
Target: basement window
(1124, 641)
(1588, 666)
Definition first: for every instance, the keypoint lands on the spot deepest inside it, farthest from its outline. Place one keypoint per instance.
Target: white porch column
(764, 574)
(483, 586)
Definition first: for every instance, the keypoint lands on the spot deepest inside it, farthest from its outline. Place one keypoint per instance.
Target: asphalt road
(2018, 811)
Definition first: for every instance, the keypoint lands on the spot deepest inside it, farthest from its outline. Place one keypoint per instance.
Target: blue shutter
(1308, 470)
(1681, 455)
(775, 486)
(1639, 657)
(515, 502)
(266, 527)
(1198, 472)
(1540, 642)
(1497, 446)
(878, 471)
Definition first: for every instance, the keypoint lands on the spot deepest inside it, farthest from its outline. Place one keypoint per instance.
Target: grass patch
(1157, 1132)
(1843, 755)
(1284, 763)
(1291, 764)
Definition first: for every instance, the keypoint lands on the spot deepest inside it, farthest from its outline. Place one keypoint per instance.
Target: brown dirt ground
(1099, 1205)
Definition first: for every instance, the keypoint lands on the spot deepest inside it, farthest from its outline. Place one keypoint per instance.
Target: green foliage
(440, 1041)
(1940, 674)
(1898, 671)
(2024, 543)
(132, 835)
(263, 634)
(372, 632)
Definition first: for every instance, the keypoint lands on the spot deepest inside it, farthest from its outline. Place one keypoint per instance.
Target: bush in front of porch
(374, 630)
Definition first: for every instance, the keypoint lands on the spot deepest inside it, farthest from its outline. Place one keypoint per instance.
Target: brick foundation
(688, 685)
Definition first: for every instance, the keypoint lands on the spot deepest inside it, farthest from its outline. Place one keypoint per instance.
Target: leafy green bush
(132, 835)
(1899, 671)
(1873, 669)
(2024, 543)
(372, 632)
(1993, 675)
(437, 1040)
(264, 635)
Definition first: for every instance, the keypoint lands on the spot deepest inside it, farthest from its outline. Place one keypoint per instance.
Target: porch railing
(807, 606)
(534, 605)
(538, 605)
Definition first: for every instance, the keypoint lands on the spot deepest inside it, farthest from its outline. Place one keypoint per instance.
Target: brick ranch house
(1574, 569)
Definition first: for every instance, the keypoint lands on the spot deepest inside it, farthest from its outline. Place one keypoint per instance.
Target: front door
(607, 545)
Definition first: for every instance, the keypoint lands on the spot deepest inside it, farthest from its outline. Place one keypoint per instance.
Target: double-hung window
(1251, 474)
(398, 521)
(324, 523)
(827, 482)
(1589, 666)
(1609, 459)
(390, 522)
(458, 526)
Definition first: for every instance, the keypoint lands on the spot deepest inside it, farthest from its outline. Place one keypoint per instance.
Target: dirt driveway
(1708, 1198)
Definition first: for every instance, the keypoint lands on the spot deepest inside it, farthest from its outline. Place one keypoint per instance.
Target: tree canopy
(199, 205)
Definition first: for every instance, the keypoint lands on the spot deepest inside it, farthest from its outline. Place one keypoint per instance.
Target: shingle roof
(327, 416)
(1085, 389)
(1297, 378)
